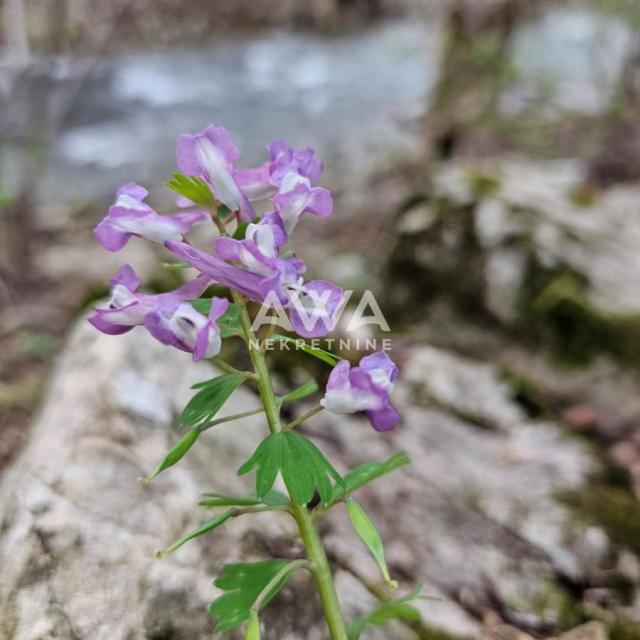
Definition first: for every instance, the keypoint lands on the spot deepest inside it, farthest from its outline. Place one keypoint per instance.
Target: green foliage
(392, 610)
(175, 455)
(229, 323)
(369, 535)
(614, 509)
(271, 499)
(365, 473)
(192, 188)
(244, 584)
(301, 464)
(303, 391)
(555, 309)
(298, 343)
(210, 525)
(210, 398)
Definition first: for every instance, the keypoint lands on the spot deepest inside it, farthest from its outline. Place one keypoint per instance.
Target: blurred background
(484, 157)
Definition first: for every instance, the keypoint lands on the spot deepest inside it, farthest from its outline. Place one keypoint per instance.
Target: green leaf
(177, 452)
(253, 629)
(192, 188)
(369, 535)
(210, 399)
(301, 464)
(271, 499)
(305, 390)
(298, 343)
(392, 610)
(244, 583)
(365, 473)
(210, 525)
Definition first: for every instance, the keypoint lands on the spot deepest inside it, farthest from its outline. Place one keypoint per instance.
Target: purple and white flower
(312, 307)
(131, 216)
(260, 246)
(296, 195)
(167, 316)
(285, 160)
(263, 182)
(211, 155)
(366, 388)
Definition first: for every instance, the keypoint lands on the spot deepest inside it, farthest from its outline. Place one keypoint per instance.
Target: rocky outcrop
(474, 519)
(529, 246)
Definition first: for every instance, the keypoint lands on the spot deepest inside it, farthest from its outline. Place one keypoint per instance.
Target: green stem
(265, 386)
(306, 525)
(321, 570)
(225, 366)
(235, 416)
(304, 418)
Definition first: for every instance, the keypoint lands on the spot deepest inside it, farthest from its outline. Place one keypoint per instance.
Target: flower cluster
(252, 262)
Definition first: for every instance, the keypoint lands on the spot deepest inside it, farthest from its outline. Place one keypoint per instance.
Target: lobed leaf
(387, 611)
(303, 467)
(210, 398)
(365, 473)
(244, 583)
(192, 188)
(175, 454)
(326, 356)
(210, 525)
(369, 535)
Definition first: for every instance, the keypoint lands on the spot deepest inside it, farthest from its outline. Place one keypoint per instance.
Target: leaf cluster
(303, 467)
(192, 188)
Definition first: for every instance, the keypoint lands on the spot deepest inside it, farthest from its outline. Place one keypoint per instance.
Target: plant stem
(235, 416)
(306, 525)
(225, 366)
(303, 418)
(321, 570)
(265, 386)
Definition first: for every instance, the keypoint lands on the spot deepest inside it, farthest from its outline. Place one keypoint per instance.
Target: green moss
(624, 629)
(614, 509)
(483, 186)
(525, 393)
(584, 195)
(426, 632)
(554, 309)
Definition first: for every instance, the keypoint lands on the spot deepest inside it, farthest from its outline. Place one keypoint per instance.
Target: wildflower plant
(251, 260)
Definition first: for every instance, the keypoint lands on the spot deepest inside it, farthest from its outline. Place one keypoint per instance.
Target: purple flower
(285, 160)
(255, 183)
(296, 195)
(167, 316)
(366, 387)
(260, 247)
(210, 155)
(312, 306)
(264, 181)
(130, 216)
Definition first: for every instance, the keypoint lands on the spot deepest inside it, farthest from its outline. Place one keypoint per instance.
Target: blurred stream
(357, 98)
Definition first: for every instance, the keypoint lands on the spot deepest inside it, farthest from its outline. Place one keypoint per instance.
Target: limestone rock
(78, 532)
